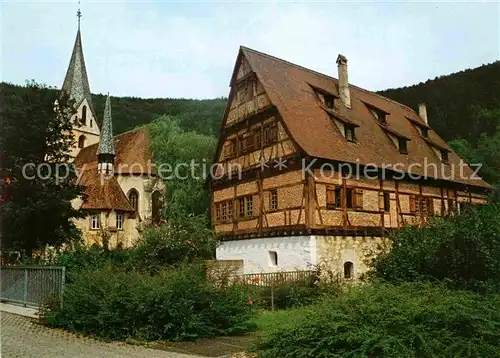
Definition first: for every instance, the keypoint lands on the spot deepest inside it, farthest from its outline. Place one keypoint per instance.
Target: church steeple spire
(106, 148)
(76, 82)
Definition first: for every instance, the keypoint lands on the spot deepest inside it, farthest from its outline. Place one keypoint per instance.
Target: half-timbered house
(314, 170)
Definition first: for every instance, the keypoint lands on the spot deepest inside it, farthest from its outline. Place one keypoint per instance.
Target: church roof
(291, 89)
(106, 142)
(76, 82)
(132, 153)
(102, 192)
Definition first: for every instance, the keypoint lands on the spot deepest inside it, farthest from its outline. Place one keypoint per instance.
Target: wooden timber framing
(302, 210)
(293, 201)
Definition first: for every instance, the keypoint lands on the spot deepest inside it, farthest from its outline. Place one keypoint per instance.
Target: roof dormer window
(444, 156)
(329, 101)
(403, 145)
(349, 133)
(379, 115)
(424, 131)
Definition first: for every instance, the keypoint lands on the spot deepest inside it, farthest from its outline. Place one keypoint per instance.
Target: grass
(268, 321)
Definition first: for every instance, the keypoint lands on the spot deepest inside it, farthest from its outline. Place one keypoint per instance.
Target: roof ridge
(286, 62)
(324, 75)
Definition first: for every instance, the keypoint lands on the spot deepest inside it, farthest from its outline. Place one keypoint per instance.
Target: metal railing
(31, 285)
(277, 278)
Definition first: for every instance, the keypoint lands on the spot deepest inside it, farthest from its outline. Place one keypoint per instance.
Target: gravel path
(22, 337)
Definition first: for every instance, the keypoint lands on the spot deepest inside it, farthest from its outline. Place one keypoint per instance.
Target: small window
(403, 145)
(338, 196)
(387, 202)
(348, 270)
(273, 200)
(249, 206)
(133, 197)
(350, 198)
(95, 221)
(273, 258)
(329, 101)
(333, 197)
(349, 133)
(224, 211)
(444, 156)
(379, 115)
(91, 123)
(247, 142)
(421, 205)
(81, 141)
(270, 134)
(84, 115)
(424, 131)
(119, 221)
(245, 207)
(218, 212)
(249, 92)
(230, 149)
(241, 94)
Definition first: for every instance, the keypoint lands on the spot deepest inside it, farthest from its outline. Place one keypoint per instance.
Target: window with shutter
(358, 199)
(330, 198)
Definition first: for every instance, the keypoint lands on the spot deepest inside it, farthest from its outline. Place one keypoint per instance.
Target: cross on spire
(79, 15)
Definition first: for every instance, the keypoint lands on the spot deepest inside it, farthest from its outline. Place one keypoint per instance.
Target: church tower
(76, 85)
(106, 148)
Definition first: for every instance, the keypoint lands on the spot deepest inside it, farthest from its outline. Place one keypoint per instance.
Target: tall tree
(183, 159)
(38, 181)
(486, 150)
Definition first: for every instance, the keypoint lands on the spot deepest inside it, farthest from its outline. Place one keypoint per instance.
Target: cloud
(188, 50)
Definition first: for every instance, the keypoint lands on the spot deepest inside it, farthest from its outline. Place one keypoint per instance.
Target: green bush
(92, 257)
(181, 240)
(287, 295)
(176, 304)
(463, 250)
(409, 320)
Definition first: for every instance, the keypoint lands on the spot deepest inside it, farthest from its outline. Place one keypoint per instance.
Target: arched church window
(84, 115)
(348, 269)
(156, 201)
(81, 141)
(133, 197)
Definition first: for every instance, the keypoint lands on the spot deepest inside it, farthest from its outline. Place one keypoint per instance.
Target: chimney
(345, 96)
(422, 112)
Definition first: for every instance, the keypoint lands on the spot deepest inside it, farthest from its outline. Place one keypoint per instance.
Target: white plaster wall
(294, 253)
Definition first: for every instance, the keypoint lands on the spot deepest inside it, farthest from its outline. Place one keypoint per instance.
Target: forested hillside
(202, 116)
(453, 101)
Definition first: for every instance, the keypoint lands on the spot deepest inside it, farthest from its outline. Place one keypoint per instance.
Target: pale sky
(188, 49)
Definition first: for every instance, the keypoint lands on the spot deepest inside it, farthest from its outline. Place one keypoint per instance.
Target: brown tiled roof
(102, 193)
(290, 89)
(132, 149)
